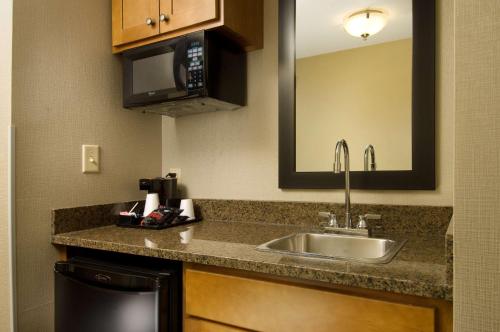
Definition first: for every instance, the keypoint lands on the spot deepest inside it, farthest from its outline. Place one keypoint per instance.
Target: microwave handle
(180, 65)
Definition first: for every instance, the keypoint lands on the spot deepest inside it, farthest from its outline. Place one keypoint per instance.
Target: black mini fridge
(92, 296)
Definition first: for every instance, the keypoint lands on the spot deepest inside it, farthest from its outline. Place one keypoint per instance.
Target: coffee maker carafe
(166, 187)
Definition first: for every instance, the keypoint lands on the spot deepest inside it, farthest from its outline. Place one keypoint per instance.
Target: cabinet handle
(164, 18)
(150, 21)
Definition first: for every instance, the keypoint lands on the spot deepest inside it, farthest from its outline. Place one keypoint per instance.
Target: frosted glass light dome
(365, 23)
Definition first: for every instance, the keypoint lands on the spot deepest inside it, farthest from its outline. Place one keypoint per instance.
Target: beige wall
(477, 162)
(5, 118)
(67, 92)
(362, 95)
(235, 154)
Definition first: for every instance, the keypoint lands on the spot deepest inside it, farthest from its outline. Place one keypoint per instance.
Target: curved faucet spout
(342, 145)
(370, 152)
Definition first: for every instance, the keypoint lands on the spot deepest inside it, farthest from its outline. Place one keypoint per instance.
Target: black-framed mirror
(342, 79)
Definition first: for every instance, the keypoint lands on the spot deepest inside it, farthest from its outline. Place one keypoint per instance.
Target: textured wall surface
(368, 102)
(67, 92)
(477, 162)
(235, 154)
(5, 118)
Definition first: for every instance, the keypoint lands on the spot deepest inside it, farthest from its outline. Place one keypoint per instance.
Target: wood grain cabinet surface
(141, 22)
(184, 13)
(223, 302)
(130, 20)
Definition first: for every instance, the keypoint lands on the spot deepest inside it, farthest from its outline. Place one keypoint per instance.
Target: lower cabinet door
(261, 305)
(193, 324)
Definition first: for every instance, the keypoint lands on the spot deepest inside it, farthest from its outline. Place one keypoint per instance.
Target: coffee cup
(188, 208)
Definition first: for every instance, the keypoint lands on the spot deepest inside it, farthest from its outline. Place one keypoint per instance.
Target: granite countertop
(420, 268)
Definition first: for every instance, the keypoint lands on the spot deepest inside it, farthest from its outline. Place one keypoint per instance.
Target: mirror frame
(422, 176)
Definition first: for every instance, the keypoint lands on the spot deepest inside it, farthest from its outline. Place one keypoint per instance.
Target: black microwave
(199, 72)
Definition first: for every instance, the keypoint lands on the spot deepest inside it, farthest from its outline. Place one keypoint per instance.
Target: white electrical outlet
(90, 159)
(177, 171)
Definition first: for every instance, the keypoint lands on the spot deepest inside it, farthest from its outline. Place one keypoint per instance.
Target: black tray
(135, 222)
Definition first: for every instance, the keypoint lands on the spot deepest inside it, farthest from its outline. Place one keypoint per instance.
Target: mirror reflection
(353, 82)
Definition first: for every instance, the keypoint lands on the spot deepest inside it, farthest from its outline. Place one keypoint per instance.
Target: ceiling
(319, 27)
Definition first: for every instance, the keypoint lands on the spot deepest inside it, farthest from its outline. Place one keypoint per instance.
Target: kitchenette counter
(420, 268)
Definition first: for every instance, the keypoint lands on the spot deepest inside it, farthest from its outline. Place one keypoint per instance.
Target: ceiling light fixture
(365, 23)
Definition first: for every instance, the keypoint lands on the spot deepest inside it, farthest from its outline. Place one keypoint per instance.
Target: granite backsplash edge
(449, 253)
(73, 219)
(395, 218)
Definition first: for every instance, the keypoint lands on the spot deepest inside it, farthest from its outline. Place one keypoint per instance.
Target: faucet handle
(368, 216)
(332, 218)
(362, 222)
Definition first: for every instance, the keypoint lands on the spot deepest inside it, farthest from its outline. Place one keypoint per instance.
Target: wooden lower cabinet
(217, 300)
(202, 325)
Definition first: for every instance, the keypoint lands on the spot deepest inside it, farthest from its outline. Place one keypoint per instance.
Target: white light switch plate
(90, 159)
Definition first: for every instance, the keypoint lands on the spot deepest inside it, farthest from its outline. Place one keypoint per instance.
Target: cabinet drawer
(272, 306)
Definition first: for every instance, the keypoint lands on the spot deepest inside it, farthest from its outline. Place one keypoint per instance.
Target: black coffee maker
(166, 187)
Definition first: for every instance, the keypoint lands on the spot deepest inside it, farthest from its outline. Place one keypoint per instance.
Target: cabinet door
(270, 306)
(134, 20)
(180, 14)
(193, 324)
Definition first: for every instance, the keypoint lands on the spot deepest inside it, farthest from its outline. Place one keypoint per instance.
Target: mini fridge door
(90, 299)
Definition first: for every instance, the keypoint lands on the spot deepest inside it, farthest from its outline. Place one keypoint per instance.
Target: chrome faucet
(342, 145)
(370, 152)
(361, 228)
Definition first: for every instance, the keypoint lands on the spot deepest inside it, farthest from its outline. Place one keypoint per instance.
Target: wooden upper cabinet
(241, 20)
(179, 14)
(134, 20)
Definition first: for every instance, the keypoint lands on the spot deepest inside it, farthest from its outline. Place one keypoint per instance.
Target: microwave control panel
(195, 66)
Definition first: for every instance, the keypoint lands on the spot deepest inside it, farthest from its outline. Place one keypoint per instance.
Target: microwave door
(155, 73)
(179, 68)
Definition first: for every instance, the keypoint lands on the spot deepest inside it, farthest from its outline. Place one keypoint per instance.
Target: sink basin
(333, 246)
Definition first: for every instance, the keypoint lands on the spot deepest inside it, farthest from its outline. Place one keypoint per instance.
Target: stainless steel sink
(333, 246)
